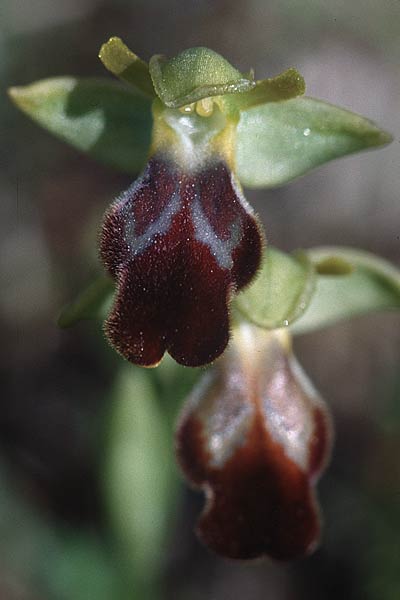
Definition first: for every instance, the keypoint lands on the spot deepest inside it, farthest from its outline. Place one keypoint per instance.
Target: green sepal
(194, 74)
(93, 302)
(278, 141)
(122, 62)
(101, 118)
(284, 86)
(372, 285)
(281, 291)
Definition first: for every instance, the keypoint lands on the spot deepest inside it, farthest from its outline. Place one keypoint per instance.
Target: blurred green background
(91, 503)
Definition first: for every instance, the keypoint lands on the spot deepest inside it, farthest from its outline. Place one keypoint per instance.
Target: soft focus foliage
(139, 476)
(93, 302)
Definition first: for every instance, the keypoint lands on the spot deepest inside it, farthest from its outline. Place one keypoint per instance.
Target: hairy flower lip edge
(202, 480)
(244, 256)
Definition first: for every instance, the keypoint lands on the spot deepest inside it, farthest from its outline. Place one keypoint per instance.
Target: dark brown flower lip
(178, 245)
(256, 462)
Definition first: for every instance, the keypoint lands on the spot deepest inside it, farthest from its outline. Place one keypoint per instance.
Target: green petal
(93, 302)
(288, 84)
(195, 74)
(372, 285)
(281, 292)
(278, 141)
(101, 118)
(122, 62)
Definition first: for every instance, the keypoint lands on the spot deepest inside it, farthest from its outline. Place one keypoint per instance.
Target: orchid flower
(188, 267)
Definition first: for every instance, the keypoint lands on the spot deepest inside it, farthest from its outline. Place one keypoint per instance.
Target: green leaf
(82, 567)
(67, 562)
(140, 477)
(373, 285)
(279, 141)
(93, 302)
(288, 84)
(122, 62)
(195, 74)
(281, 292)
(103, 119)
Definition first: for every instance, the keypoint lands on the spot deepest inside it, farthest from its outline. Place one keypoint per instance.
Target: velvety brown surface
(178, 246)
(262, 502)
(256, 448)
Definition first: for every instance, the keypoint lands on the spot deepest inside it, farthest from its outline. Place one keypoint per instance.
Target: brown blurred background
(54, 537)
